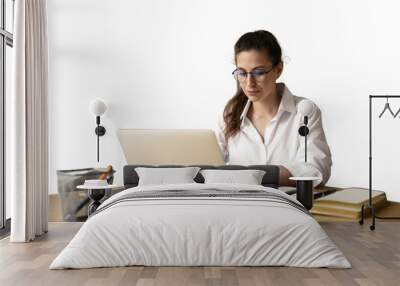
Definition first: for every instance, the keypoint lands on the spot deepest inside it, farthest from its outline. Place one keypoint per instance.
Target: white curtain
(29, 123)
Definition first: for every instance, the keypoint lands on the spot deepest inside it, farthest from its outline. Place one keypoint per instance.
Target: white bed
(267, 228)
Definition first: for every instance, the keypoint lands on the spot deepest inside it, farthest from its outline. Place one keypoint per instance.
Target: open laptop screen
(170, 146)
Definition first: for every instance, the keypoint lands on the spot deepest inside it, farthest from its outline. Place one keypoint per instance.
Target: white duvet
(200, 231)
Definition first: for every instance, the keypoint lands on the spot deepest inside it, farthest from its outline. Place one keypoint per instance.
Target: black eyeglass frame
(251, 73)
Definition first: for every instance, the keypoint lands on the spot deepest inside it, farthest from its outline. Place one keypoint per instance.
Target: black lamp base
(100, 130)
(303, 130)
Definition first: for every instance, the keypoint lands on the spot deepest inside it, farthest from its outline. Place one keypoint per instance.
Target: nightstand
(95, 194)
(74, 202)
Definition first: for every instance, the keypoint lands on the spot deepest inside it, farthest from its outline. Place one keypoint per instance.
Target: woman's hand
(284, 176)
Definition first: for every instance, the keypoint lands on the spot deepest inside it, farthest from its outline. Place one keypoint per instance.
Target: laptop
(170, 147)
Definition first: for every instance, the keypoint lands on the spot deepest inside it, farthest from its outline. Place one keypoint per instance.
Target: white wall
(167, 64)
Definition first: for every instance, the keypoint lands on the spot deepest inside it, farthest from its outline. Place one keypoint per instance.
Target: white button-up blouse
(282, 143)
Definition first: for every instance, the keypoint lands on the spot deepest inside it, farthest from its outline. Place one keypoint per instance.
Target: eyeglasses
(257, 74)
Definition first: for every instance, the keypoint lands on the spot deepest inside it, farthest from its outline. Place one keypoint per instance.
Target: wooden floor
(374, 255)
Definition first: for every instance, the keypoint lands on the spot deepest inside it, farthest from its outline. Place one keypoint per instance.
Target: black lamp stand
(303, 131)
(100, 131)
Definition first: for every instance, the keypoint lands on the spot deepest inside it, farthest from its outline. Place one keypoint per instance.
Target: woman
(261, 121)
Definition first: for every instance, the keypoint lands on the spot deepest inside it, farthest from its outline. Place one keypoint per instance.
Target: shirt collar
(287, 101)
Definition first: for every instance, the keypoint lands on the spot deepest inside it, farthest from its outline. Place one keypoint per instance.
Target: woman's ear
(279, 69)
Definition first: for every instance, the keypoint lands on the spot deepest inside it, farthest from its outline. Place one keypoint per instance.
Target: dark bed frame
(270, 179)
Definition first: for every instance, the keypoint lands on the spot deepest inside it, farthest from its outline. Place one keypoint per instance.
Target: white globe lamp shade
(97, 107)
(305, 107)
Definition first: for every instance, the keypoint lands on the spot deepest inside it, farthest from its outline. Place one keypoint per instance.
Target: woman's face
(259, 85)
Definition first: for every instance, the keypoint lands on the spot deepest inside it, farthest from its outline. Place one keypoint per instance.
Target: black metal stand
(100, 131)
(95, 196)
(370, 206)
(83, 203)
(303, 131)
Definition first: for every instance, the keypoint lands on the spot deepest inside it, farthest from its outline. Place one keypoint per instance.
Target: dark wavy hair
(259, 40)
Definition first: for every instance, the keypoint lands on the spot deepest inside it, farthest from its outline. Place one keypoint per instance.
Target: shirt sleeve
(219, 132)
(319, 159)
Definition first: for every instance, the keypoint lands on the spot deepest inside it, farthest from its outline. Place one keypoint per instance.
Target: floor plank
(375, 257)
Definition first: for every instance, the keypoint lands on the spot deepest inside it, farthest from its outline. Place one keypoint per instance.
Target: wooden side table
(96, 193)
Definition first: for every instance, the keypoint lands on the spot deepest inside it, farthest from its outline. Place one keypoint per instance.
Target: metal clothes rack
(370, 206)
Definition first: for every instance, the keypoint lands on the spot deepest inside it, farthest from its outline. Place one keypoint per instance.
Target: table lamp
(97, 107)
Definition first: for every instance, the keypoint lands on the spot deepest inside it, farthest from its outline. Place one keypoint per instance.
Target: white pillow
(162, 176)
(248, 177)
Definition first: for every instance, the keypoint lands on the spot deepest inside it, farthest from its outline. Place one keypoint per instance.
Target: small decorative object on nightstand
(304, 190)
(96, 191)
